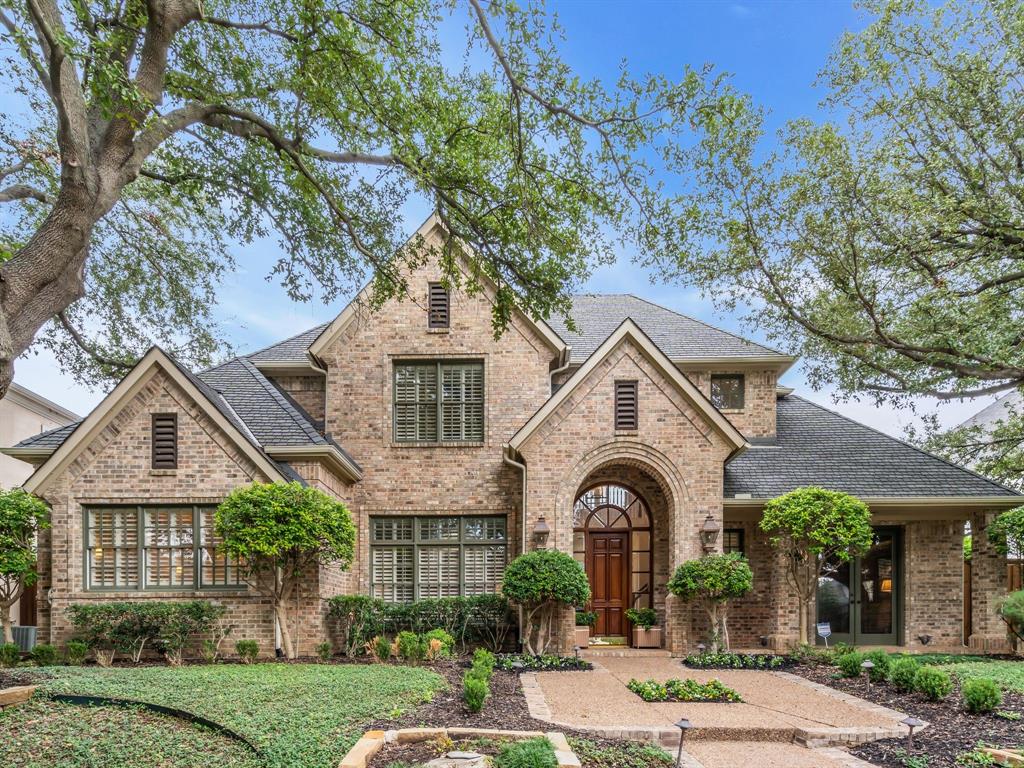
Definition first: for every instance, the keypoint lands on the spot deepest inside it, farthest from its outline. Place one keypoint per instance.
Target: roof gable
(629, 330)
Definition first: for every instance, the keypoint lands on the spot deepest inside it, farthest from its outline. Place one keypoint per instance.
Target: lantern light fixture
(709, 533)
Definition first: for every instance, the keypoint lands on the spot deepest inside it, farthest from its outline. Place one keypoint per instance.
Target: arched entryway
(612, 539)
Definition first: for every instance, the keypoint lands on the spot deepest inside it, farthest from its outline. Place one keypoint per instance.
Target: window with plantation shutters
(164, 436)
(438, 556)
(439, 402)
(626, 405)
(438, 306)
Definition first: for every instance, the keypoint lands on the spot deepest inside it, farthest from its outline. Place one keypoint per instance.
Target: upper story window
(438, 306)
(626, 405)
(155, 547)
(439, 401)
(727, 391)
(164, 437)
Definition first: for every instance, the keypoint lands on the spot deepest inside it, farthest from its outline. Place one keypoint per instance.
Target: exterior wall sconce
(709, 533)
(541, 532)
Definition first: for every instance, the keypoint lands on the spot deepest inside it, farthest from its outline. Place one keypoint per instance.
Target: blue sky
(774, 51)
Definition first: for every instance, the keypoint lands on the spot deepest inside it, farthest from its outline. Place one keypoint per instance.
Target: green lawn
(299, 715)
(1009, 674)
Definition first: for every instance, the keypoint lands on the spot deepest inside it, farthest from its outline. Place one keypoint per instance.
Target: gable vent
(626, 405)
(437, 306)
(165, 440)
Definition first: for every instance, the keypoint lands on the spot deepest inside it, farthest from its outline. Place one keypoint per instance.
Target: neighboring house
(621, 442)
(24, 414)
(988, 418)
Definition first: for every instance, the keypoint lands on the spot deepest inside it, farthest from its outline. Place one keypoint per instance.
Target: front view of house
(635, 441)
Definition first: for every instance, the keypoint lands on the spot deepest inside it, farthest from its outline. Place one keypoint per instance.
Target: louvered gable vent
(165, 440)
(626, 405)
(438, 306)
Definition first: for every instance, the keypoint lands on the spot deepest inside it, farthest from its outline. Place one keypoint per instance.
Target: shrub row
(476, 683)
(736, 661)
(130, 628)
(683, 690)
(509, 662)
(484, 619)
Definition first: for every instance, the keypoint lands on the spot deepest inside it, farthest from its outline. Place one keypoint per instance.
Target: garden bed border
(15, 695)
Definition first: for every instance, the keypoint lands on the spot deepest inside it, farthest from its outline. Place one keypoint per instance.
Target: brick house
(619, 441)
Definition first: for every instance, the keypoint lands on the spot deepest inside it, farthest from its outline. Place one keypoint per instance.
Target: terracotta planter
(583, 636)
(647, 638)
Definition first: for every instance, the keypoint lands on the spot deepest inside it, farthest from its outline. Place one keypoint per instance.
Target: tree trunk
(5, 620)
(281, 617)
(805, 609)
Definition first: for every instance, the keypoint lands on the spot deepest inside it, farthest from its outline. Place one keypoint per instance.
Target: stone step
(729, 754)
(623, 652)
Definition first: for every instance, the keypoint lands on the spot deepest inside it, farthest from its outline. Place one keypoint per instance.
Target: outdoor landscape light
(911, 723)
(867, 665)
(701, 648)
(709, 533)
(576, 650)
(541, 531)
(683, 725)
(518, 666)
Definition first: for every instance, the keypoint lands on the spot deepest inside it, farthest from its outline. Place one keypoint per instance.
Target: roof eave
(308, 367)
(27, 454)
(904, 501)
(328, 454)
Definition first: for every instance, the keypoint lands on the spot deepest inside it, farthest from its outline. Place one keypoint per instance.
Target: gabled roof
(291, 350)
(681, 338)
(816, 446)
(629, 330)
(1000, 410)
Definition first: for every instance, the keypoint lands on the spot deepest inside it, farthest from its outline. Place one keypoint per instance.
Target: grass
(48, 734)
(304, 715)
(1009, 674)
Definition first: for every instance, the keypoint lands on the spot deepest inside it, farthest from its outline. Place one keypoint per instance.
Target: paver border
(16, 694)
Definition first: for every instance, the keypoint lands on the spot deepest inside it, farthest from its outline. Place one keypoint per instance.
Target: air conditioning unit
(24, 638)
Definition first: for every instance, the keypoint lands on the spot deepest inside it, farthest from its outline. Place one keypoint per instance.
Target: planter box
(647, 638)
(583, 636)
(24, 638)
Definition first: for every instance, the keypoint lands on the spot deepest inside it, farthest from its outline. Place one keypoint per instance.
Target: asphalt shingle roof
(290, 350)
(816, 446)
(680, 337)
(51, 438)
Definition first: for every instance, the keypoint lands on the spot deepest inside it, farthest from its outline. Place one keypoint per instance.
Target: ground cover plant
(683, 690)
(58, 735)
(620, 754)
(298, 715)
(736, 661)
(542, 663)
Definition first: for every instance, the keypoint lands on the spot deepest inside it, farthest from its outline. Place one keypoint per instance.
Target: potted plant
(585, 621)
(645, 633)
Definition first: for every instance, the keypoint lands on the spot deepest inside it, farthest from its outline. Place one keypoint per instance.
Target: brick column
(988, 586)
(677, 626)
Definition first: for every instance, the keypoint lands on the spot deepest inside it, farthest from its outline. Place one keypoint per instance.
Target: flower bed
(736, 661)
(684, 690)
(546, 663)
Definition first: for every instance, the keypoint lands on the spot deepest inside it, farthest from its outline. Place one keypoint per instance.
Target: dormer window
(438, 306)
(727, 391)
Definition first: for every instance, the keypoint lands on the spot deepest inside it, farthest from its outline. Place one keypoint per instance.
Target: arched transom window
(608, 507)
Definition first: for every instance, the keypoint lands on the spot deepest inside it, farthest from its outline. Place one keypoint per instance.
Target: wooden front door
(608, 556)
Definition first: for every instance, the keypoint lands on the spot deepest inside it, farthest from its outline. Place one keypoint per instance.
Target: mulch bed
(423, 752)
(951, 730)
(10, 679)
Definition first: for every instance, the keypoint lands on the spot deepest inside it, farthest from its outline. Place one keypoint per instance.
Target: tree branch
(254, 26)
(88, 348)
(23, 192)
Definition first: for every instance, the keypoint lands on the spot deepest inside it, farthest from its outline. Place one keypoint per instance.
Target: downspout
(566, 361)
(506, 457)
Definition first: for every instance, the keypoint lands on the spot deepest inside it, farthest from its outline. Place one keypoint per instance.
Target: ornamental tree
(277, 532)
(541, 583)
(812, 526)
(153, 135)
(713, 581)
(22, 516)
(1006, 533)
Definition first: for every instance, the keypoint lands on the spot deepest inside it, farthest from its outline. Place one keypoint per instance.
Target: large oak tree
(886, 242)
(156, 133)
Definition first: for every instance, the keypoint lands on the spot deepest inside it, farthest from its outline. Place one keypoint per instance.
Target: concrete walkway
(781, 714)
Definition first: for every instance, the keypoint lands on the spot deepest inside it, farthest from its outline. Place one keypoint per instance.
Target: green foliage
(22, 516)
(849, 663)
(622, 754)
(380, 647)
(1006, 532)
(184, 621)
(713, 580)
(1009, 674)
(542, 663)
(531, 753)
(934, 683)
(541, 582)
(981, 694)
(902, 672)
(410, 647)
(683, 690)
(444, 638)
(247, 650)
(735, 661)
(324, 651)
(10, 655)
(359, 617)
(484, 659)
(284, 709)
(977, 758)
(1011, 608)
(881, 660)
(968, 548)
(642, 617)
(76, 652)
(475, 690)
(586, 618)
(44, 655)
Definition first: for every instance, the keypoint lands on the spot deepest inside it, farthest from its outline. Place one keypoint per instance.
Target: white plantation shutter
(416, 402)
(113, 556)
(439, 572)
(393, 574)
(462, 402)
(484, 567)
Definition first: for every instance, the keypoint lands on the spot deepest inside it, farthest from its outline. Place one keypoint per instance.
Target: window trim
(439, 364)
(743, 390)
(141, 585)
(417, 542)
(742, 537)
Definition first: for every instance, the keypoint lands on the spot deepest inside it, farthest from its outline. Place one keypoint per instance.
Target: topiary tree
(277, 531)
(812, 526)
(1011, 609)
(541, 582)
(1006, 533)
(22, 516)
(713, 580)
